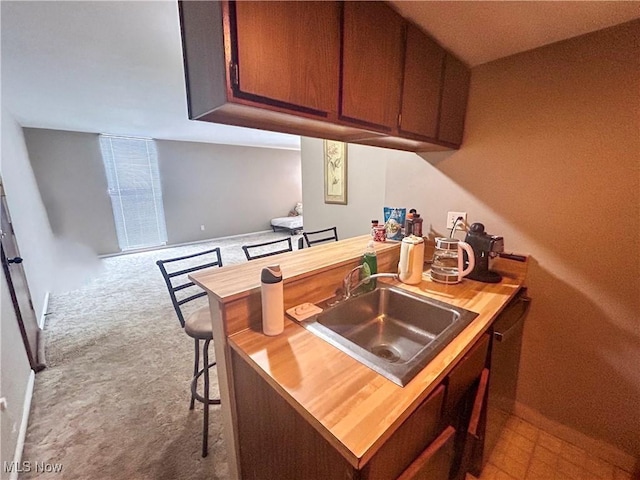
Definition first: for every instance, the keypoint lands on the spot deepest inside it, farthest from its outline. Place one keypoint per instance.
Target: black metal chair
(266, 249)
(320, 236)
(197, 324)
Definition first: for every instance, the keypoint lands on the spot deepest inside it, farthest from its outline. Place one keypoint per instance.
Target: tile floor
(524, 452)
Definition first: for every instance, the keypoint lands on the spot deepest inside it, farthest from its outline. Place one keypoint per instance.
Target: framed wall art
(335, 172)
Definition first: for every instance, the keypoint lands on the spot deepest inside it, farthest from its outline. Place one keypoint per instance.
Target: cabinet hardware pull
(235, 76)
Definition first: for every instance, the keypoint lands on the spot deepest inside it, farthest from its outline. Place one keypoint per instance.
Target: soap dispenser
(369, 267)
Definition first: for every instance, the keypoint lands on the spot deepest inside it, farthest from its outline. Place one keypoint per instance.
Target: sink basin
(390, 330)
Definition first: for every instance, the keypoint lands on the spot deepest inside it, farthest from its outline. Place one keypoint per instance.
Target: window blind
(133, 180)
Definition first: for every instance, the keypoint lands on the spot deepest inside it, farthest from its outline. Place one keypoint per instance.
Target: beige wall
(229, 189)
(29, 217)
(551, 155)
(550, 161)
(73, 185)
(365, 188)
(14, 381)
(35, 242)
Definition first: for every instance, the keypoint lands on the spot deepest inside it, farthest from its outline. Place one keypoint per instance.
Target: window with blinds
(133, 179)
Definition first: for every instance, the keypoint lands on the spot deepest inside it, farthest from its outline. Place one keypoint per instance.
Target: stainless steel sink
(390, 330)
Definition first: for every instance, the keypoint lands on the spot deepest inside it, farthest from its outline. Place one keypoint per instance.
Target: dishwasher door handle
(504, 335)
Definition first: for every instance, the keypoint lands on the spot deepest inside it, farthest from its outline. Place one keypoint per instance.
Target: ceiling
(116, 66)
(481, 31)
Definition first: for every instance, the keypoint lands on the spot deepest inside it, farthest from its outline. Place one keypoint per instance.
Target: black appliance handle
(525, 303)
(512, 256)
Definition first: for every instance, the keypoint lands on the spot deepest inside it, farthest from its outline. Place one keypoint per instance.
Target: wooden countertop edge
(286, 279)
(295, 265)
(359, 452)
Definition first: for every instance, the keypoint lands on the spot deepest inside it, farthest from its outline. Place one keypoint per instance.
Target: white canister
(411, 260)
(272, 300)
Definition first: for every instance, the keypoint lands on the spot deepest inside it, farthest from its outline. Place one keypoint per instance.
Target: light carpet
(113, 402)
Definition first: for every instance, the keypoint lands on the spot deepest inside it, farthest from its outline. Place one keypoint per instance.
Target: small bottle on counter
(417, 225)
(369, 267)
(408, 223)
(374, 224)
(272, 300)
(379, 234)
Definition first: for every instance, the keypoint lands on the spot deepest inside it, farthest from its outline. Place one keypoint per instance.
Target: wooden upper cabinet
(372, 58)
(423, 64)
(287, 52)
(453, 107)
(327, 69)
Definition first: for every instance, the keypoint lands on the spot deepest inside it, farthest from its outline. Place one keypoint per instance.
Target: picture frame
(335, 172)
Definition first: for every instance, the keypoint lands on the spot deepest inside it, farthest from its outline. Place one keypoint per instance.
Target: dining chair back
(266, 249)
(320, 236)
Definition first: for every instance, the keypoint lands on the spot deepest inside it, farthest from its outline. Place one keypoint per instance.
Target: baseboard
(43, 313)
(597, 448)
(173, 245)
(22, 434)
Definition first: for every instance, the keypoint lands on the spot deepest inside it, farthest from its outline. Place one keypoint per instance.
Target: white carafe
(448, 260)
(411, 260)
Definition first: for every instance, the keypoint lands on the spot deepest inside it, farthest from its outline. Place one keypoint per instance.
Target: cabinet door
(434, 462)
(472, 450)
(274, 440)
(463, 376)
(460, 381)
(372, 51)
(406, 443)
(455, 91)
(288, 52)
(422, 83)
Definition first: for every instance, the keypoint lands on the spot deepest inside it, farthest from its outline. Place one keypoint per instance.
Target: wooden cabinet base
(406, 443)
(474, 441)
(277, 441)
(274, 440)
(435, 462)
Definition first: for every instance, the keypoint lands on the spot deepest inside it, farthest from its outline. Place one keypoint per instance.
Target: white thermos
(272, 300)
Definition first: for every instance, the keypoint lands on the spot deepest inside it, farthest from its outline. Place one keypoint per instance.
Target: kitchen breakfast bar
(351, 409)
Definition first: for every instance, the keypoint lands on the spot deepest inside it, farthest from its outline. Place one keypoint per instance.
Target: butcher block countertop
(353, 407)
(235, 281)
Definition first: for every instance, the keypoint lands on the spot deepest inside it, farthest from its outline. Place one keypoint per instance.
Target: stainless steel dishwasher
(504, 363)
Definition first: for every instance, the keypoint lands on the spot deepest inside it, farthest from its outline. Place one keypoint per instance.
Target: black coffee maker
(484, 246)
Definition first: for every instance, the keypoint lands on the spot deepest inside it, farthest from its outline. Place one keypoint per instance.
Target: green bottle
(369, 267)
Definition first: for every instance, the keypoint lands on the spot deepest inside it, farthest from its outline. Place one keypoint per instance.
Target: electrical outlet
(451, 218)
(202, 228)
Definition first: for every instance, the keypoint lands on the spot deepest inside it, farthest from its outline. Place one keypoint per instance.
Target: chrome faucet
(346, 282)
(348, 288)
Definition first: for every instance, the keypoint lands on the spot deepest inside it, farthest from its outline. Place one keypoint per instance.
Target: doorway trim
(22, 306)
